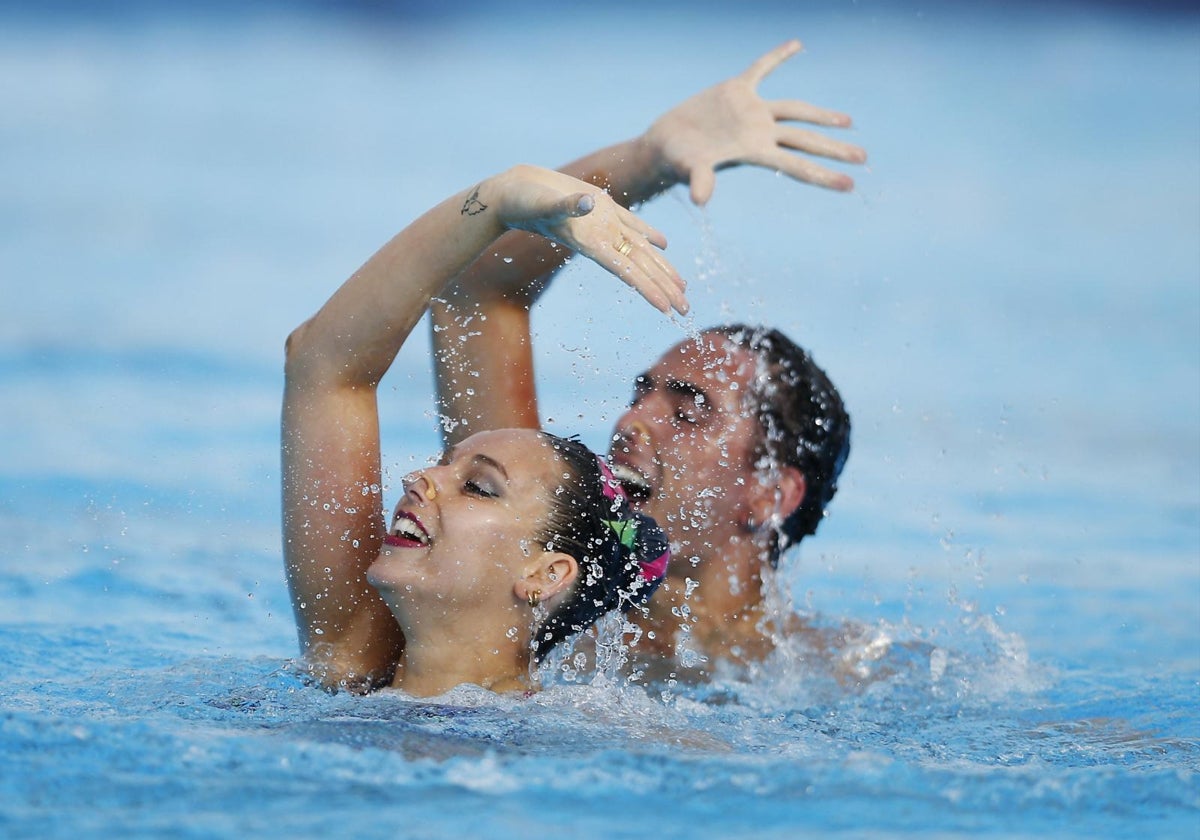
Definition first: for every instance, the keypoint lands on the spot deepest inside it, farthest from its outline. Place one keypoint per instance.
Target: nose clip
(430, 488)
(641, 430)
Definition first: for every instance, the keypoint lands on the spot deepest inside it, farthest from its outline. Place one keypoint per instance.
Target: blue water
(1010, 302)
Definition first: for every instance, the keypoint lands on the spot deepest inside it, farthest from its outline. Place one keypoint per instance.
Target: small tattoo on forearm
(473, 206)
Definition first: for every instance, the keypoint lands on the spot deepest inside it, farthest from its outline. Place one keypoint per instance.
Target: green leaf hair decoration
(625, 529)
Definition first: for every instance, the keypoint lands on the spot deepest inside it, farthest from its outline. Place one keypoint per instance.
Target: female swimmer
(517, 538)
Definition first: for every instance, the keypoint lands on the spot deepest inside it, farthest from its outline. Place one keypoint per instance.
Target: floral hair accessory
(609, 485)
(636, 536)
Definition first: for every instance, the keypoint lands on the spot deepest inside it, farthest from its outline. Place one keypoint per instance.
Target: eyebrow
(480, 458)
(645, 382)
(477, 458)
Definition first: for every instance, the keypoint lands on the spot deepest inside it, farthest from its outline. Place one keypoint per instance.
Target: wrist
(648, 158)
(501, 195)
(630, 172)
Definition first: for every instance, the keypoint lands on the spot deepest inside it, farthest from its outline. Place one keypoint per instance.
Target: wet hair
(803, 421)
(622, 554)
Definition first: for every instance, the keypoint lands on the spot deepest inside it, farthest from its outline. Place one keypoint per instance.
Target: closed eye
(474, 488)
(691, 403)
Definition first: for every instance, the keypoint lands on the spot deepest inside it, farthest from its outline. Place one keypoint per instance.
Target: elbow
(293, 342)
(298, 354)
(334, 679)
(335, 670)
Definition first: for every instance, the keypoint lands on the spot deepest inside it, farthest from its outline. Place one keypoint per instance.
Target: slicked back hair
(803, 421)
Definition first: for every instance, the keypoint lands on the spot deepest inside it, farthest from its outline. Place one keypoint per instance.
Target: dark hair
(803, 420)
(622, 554)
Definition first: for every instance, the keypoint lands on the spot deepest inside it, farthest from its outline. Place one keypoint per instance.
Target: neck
(724, 607)
(439, 656)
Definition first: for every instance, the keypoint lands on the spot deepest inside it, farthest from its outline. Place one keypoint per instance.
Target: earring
(553, 576)
(535, 599)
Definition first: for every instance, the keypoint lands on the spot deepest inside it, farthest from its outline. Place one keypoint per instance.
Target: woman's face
(460, 537)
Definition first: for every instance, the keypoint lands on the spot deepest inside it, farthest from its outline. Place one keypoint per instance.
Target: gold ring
(625, 247)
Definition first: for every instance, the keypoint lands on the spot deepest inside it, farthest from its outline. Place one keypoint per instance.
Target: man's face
(685, 448)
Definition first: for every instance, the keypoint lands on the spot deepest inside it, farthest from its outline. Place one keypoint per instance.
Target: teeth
(633, 482)
(405, 527)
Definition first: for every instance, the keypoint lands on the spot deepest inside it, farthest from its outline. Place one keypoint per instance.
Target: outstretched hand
(730, 124)
(585, 219)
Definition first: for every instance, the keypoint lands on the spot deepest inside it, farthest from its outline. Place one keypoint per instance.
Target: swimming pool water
(1010, 302)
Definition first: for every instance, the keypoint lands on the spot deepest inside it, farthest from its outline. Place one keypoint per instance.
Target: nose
(634, 427)
(420, 486)
(638, 432)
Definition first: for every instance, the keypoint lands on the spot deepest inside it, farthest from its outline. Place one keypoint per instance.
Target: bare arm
(481, 326)
(333, 516)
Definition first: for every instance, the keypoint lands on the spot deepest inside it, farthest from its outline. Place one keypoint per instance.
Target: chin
(388, 575)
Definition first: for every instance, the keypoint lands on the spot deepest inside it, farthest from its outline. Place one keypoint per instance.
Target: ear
(547, 573)
(779, 493)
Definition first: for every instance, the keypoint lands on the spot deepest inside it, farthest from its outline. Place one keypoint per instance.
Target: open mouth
(636, 486)
(407, 532)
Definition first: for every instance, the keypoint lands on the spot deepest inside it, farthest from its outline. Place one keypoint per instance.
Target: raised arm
(481, 325)
(333, 516)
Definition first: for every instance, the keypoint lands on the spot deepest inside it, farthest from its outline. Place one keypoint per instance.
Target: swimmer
(733, 441)
(516, 539)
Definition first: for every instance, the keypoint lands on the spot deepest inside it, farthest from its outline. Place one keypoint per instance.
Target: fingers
(763, 67)
(703, 181)
(545, 212)
(796, 111)
(657, 281)
(813, 143)
(642, 228)
(568, 207)
(805, 170)
(818, 144)
(630, 248)
(580, 204)
(644, 269)
(791, 109)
